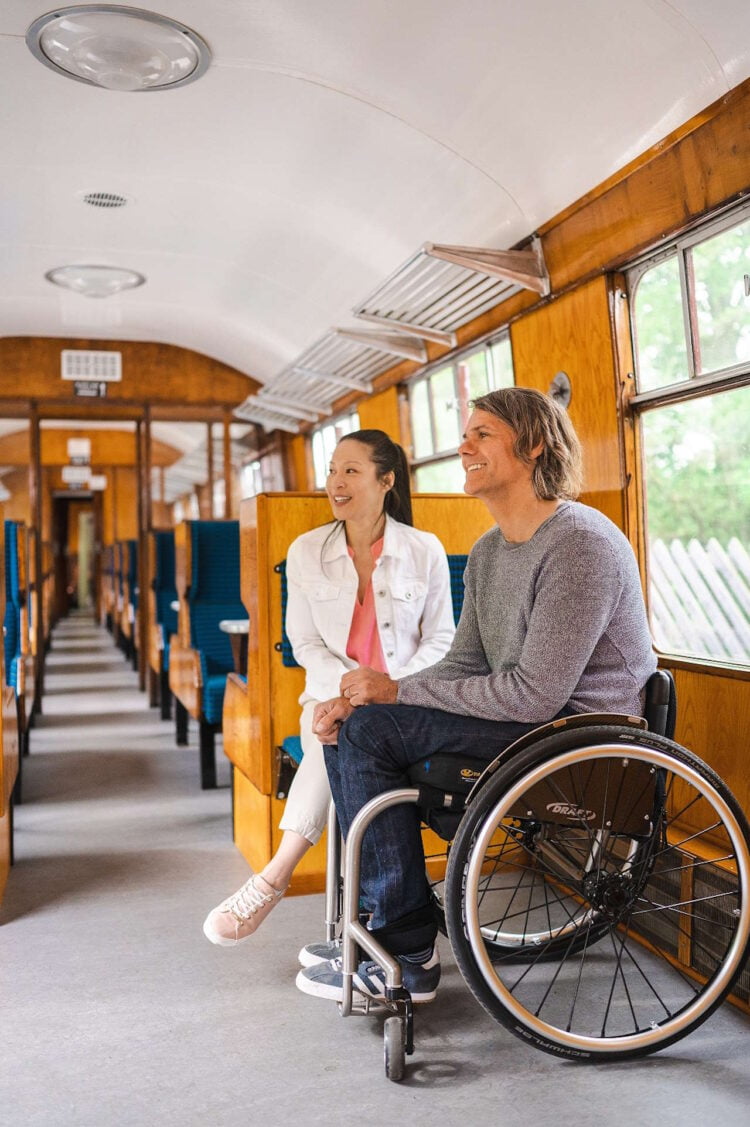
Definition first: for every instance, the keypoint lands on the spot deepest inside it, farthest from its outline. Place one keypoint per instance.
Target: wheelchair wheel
(394, 1047)
(610, 868)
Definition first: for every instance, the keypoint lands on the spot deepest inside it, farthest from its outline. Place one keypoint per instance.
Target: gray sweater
(557, 620)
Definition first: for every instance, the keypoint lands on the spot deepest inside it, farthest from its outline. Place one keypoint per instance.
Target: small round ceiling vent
(105, 199)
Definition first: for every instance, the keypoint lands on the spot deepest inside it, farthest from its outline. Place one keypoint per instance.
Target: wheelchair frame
(608, 889)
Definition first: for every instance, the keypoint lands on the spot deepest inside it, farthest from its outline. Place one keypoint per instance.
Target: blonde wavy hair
(535, 418)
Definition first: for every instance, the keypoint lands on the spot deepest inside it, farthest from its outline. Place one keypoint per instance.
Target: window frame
(691, 388)
(335, 421)
(694, 385)
(485, 345)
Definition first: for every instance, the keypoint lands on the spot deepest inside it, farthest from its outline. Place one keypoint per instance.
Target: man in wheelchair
(553, 624)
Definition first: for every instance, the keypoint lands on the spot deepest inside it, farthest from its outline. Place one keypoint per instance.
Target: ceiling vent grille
(426, 292)
(82, 364)
(105, 199)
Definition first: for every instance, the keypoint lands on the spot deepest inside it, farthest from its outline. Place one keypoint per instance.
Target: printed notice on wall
(90, 389)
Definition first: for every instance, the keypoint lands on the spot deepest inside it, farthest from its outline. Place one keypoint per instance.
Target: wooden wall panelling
(713, 718)
(688, 174)
(152, 373)
(298, 466)
(125, 502)
(573, 334)
(381, 412)
(18, 505)
(111, 447)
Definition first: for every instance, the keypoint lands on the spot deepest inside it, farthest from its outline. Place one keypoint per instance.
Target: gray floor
(115, 1009)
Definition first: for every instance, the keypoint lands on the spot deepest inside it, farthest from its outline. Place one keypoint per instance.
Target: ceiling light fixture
(118, 48)
(95, 281)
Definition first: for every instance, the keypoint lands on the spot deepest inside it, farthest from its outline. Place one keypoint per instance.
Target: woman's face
(354, 489)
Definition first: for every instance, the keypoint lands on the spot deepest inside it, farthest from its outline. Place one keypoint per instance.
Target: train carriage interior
(233, 233)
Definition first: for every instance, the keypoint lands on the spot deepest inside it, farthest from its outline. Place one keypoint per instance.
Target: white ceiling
(327, 141)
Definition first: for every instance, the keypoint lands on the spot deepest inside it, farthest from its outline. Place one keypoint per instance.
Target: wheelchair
(596, 895)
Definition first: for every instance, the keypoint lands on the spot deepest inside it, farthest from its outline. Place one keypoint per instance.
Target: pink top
(363, 645)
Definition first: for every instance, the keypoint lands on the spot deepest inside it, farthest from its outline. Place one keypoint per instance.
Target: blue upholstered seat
(214, 594)
(165, 592)
(12, 622)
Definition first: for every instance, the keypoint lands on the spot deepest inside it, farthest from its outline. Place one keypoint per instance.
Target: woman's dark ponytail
(389, 457)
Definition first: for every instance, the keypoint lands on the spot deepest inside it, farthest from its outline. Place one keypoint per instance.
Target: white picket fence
(700, 599)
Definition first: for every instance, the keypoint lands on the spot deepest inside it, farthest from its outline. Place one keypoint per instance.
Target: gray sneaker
(327, 981)
(316, 953)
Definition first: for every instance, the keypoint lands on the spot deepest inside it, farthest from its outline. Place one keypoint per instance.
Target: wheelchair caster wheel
(394, 1047)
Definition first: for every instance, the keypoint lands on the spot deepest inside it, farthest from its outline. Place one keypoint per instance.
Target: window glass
(219, 500)
(444, 404)
(501, 363)
(472, 374)
(439, 405)
(697, 486)
(251, 482)
(319, 459)
(720, 267)
(421, 420)
(660, 328)
(324, 441)
(445, 476)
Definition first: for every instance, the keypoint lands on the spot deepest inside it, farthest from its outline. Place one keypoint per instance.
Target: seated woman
(367, 591)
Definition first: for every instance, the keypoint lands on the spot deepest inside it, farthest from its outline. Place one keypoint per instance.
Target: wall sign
(90, 389)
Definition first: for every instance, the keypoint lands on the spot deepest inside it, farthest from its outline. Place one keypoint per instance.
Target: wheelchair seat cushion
(445, 781)
(444, 771)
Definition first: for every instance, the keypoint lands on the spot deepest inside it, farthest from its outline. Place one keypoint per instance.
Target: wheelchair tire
(394, 1047)
(611, 868)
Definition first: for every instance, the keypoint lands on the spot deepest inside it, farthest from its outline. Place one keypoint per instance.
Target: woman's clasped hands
(358, 686)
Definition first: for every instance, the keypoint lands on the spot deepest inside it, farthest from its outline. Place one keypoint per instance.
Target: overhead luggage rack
(431, 295)
(441, 288)
(307, 389)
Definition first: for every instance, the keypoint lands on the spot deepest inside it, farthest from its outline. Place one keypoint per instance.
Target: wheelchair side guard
(578, 720)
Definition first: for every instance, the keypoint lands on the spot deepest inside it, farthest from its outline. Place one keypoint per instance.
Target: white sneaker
(240, 915)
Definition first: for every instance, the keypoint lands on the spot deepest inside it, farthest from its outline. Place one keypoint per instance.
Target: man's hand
(367, 686)
(328, 716)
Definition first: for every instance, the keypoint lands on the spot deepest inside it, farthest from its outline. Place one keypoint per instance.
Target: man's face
(487, 456)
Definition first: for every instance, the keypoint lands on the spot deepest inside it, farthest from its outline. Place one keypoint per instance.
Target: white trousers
(306, 810)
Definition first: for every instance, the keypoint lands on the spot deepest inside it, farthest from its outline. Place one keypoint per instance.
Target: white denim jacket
(411, 585)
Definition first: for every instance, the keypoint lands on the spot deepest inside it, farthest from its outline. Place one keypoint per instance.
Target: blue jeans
(377, 745)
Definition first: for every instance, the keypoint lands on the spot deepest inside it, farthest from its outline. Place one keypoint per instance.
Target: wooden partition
(184, 663)
(261, 711)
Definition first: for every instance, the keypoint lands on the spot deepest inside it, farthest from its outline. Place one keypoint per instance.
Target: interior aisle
(115, 1010)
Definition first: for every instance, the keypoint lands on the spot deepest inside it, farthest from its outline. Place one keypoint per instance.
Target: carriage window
(660, 328)
(251, 480)
(439, 405)
(692, 308)
(324, 439)
(720, 269)
(696, 459)
(691, 313)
